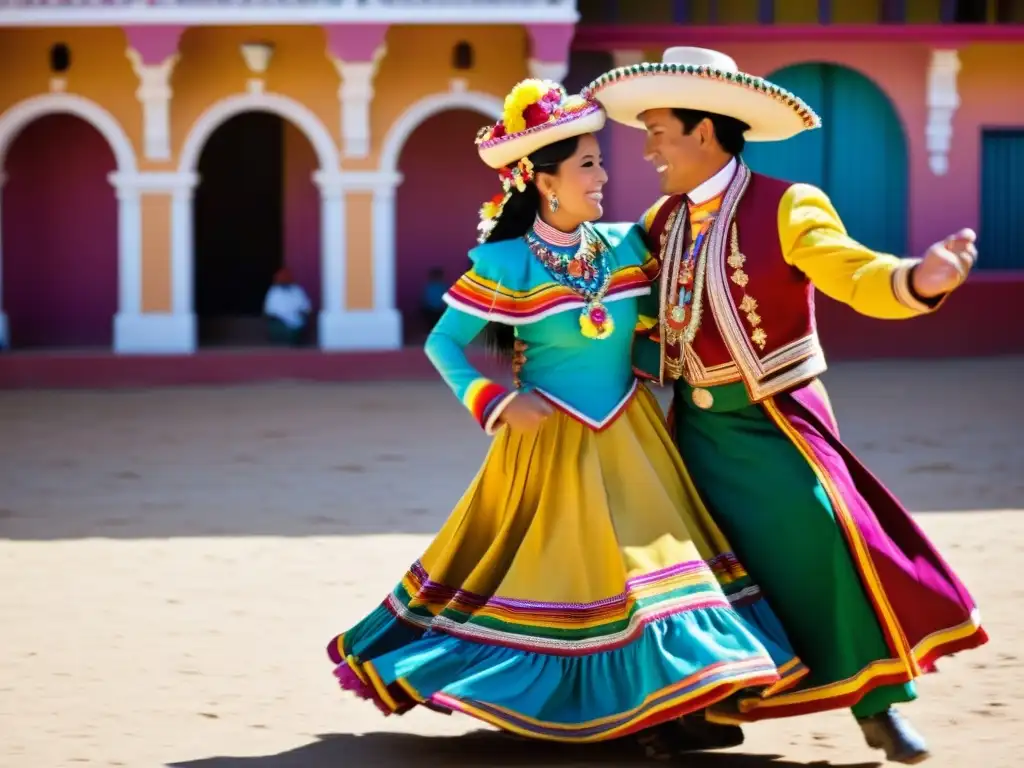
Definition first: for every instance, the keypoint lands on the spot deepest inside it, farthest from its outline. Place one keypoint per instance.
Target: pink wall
(301, 213)
(937, 204)
(991, 96)
(59, 234)
(898, 70)
(444, 185)
(632, 182)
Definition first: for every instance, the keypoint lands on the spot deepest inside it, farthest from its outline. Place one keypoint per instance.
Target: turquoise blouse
(588, 378)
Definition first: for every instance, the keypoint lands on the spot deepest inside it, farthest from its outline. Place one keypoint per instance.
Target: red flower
(537, 114)
(499, 131)
(498, 198)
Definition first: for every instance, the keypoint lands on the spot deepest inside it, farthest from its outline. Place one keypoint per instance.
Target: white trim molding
(39, 13)
(355, 96)
(548, 70)
(485, 103)
(141, 332)
(154, 94)
(297, 114)
(943, 102)
(14, 119)
(384, 323)
(381, 327)
(129, 222)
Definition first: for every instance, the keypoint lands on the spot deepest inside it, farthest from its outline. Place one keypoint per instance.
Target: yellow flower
(519, 98)
(492, 208)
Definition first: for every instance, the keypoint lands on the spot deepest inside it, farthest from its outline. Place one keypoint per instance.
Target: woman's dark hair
(516, 220)
(728, 130)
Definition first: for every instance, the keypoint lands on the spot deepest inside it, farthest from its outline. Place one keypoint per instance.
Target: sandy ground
(174, 562)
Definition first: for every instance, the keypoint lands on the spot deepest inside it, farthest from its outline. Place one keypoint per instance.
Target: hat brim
(512, 148)
(772, 112)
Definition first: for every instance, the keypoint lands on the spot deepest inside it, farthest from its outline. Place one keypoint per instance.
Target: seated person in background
(287, 310)
(432, 304)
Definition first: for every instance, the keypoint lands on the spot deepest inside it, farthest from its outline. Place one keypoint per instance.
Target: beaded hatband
(776, 113)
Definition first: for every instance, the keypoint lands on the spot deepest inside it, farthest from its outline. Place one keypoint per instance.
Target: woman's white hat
(705, 80)
(536, 113)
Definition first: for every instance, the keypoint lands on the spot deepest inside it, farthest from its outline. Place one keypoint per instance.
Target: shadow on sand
(481, 749)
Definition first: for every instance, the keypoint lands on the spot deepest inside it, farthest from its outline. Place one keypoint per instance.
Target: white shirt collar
(714, 186)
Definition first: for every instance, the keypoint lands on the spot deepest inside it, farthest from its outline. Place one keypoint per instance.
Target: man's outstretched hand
(946, 264)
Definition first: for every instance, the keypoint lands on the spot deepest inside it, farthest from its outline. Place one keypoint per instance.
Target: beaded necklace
(584, 271)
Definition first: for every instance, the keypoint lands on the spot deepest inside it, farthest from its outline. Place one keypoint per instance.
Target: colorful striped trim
(493, 423)
(567, 629)
(908, 664)
(845, 693)
(482, 397)
(651, 267)
(597, 426)
(483, 298)
(697, 692)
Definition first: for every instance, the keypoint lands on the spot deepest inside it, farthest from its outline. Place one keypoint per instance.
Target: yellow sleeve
(647, 220)
(814, 241)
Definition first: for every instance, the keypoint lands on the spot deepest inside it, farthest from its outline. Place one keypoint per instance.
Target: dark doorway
(239, 229)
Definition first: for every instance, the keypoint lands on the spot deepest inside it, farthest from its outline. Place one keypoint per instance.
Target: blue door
(858, 156)
(1001, 239)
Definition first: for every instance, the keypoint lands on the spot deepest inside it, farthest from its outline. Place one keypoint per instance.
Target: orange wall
(211, 68)
(99, 70)
(419, 63)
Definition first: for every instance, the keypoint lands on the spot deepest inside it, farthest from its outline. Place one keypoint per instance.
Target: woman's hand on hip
(525, 412)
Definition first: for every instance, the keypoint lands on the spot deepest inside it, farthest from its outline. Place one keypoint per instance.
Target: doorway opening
(59, 234)
(256, 210)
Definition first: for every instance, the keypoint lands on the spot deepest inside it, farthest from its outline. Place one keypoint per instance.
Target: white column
(5, 339)
(154, 94)
(129, 244)
(379, 328)
(331, 322)
(135, 331)
(943, 101)
(355, 97)
(549, 70)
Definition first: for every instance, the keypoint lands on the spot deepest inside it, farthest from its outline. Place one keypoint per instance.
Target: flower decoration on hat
(535, 113)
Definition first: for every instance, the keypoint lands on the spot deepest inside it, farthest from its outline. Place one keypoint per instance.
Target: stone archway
(328, 179)
(384, 184)
(129, 222)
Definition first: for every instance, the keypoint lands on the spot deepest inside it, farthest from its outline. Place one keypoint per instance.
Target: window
(971, 12)
(60, 57)
(462, 56)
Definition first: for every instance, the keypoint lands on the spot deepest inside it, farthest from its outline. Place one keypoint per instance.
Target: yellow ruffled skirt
(579, 591)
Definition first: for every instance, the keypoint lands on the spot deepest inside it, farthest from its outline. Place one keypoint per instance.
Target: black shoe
(691, 733)
(891, 732)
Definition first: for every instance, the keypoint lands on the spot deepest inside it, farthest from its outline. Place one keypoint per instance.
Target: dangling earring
(553, 203)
